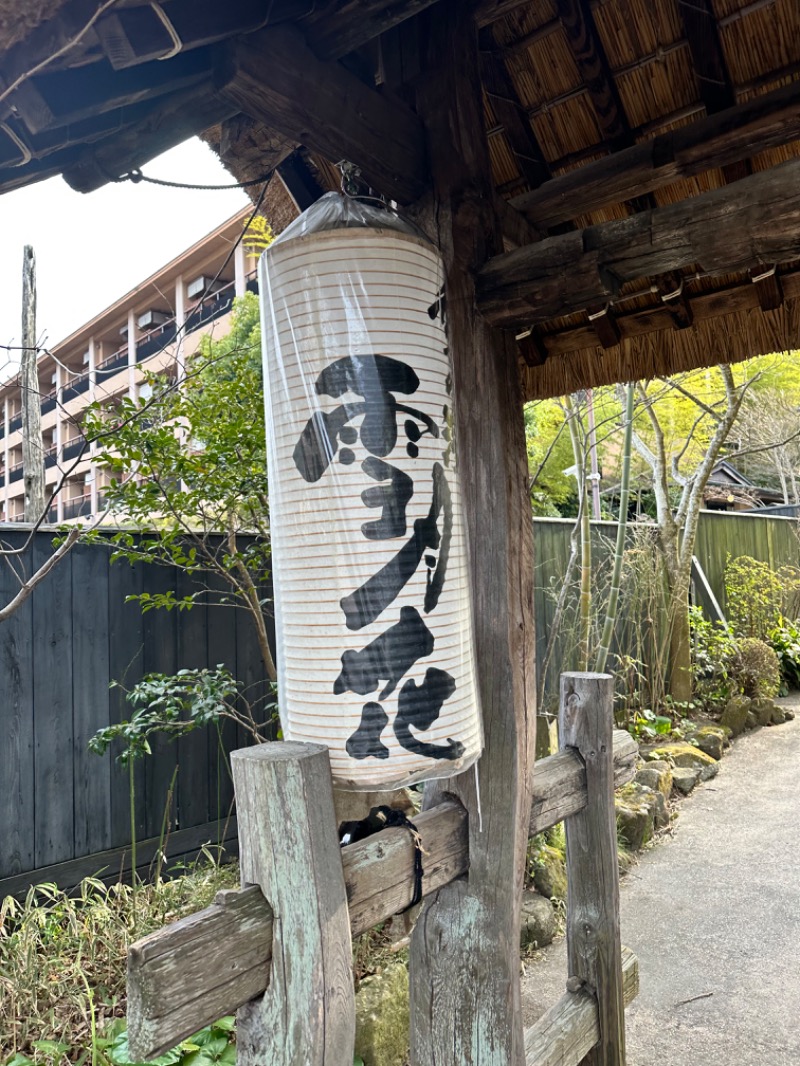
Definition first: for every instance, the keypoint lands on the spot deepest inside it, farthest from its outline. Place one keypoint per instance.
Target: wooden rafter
(763, 122)
(751, 222)
(274, 77)
(510, 112)
(335, 29)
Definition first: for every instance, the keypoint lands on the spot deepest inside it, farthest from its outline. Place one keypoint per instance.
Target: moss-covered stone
(656, 775)
(687, 756)
(765, 709)
(711, 739)
(538, 925)
(550, 874)
(752, 720)
(639, 810)
(382, 1017)
(684, 779)
(735, 714)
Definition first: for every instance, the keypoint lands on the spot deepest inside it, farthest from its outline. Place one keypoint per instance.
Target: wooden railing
(302, 1010)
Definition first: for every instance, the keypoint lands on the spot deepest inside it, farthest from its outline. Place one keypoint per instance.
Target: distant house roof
(725, 476)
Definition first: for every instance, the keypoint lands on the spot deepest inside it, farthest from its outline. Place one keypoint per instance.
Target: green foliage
(63, 960)
(211, 1045)
(175, 705)
(759, 673)
(716, 660)
(188, 470)
(784, 640)
(758, 596)
(553, 492)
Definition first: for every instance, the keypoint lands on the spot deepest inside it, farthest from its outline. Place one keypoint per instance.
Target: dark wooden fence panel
(63, 810)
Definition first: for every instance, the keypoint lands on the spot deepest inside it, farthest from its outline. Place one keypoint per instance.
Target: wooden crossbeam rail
(168, 994)
(751, 222)
(726, 137)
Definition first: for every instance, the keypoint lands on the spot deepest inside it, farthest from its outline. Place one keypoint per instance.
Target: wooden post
(585, 724)
(465, 1002)
(290, 849)
(32, 446)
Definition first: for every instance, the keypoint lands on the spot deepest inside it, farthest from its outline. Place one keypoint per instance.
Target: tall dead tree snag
(32, 447)
(465, 949)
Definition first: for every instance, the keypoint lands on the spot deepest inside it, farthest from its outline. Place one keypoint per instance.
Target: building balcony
(112, 363)
(2, 479)
(78, 506)
(15, 473)
(49, 401)
(2, 430)
(15, 423)
(50, 457)
(212, 307)
(73, 448)
(52, 514)
(251, 285)
(75, 388)
(156, 341)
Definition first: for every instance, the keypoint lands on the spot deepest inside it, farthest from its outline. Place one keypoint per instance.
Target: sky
(92, 248)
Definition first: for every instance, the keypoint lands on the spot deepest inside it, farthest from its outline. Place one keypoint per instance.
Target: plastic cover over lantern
(374, 642)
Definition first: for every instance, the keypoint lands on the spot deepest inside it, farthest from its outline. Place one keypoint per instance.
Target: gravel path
(713, 914)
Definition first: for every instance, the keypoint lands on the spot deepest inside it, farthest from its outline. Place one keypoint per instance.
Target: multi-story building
(157, 326)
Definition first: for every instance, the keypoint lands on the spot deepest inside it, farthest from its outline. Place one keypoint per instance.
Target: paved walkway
(714, 917)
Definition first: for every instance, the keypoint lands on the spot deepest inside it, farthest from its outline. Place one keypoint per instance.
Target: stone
(686, 755)
(550, 874)
(788, 714)
(711, 739)
(382, 1017)
(735, 714)
(639, 810)
(538, 926)
(656, 775)
(752, 720)
(684, 779)
(765, 709)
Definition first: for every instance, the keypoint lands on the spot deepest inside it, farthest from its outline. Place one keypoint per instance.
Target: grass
(63, 958)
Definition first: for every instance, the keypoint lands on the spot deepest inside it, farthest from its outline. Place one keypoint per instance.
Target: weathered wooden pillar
(290, 849)
(465, 948)
(594, 953)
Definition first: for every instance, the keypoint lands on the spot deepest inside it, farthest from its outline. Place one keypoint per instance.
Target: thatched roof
(566, 83)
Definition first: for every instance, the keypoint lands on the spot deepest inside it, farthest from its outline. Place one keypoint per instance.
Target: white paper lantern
(374, 641)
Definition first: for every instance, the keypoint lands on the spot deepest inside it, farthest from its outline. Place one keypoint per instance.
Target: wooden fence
(292, 979)
(773, 540)
(65, 812)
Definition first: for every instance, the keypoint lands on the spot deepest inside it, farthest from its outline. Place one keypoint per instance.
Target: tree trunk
(32, 446)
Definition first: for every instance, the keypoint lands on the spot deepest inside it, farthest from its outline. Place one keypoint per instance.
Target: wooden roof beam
(764, 122)
(171, 122)
(752, 222)
(510, 112)
(275, 78)
(334, 30)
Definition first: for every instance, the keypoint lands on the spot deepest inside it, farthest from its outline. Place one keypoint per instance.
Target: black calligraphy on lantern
(379, 667)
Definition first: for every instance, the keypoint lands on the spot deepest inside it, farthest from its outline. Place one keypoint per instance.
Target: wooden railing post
(585, 724)
(289, 847)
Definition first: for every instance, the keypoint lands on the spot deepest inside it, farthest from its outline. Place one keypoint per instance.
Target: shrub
(716, 660)
(759, 672)
(758, 596)
(784, 640)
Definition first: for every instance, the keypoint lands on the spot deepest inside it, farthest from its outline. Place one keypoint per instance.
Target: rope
(166, 22)
(135, 176)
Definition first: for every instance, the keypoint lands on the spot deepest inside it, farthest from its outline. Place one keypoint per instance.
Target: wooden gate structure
(280, 949)
(613, 185)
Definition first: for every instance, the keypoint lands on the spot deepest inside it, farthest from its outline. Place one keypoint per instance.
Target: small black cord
(135, 176)
(385, 817)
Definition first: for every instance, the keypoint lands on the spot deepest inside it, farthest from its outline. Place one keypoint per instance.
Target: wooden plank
(90, 680)
(708, 59)
(126, 666)
(175, 119)
(754, 221)
(764, 122)
(510, 113)
(52, 705)
(134, 35)
(334, 30)
(289, 847)
(274, 77)
(17, 749)
(113, 864)
(160, 637)
(193, 799)
(586, 47)
(559, 782)
(53, 100)
(566, 1034)
(585, 723)
(465, 947)
(379, 882)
